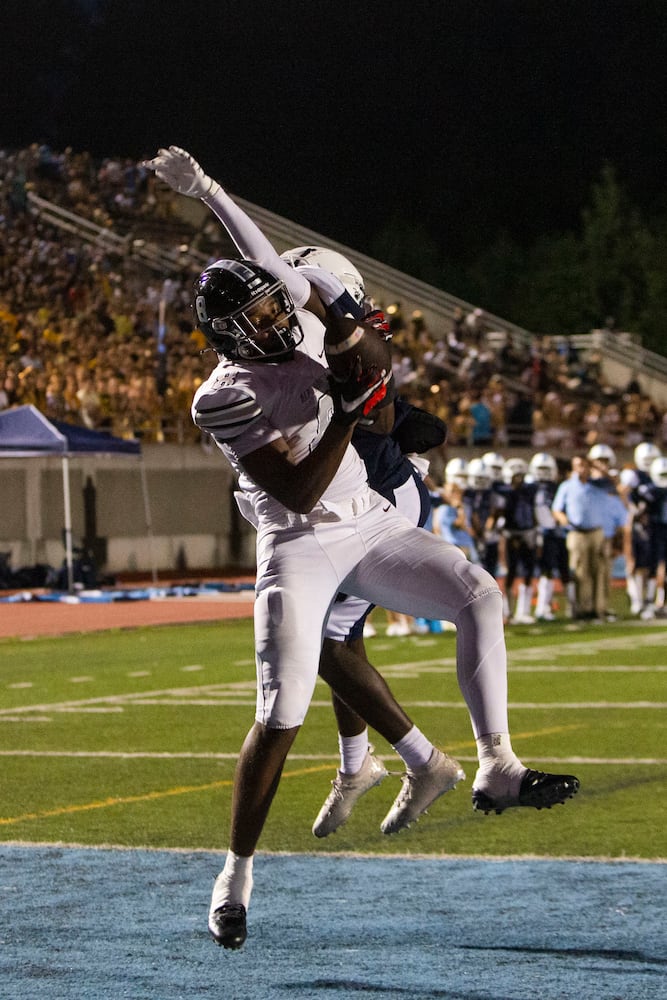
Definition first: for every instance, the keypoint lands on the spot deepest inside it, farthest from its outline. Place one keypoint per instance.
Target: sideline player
(381, 444)
(552, 557)
(641, 585)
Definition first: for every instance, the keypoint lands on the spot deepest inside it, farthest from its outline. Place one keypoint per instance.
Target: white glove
(181, 172)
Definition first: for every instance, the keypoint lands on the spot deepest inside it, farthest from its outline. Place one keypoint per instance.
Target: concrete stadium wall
(195, 523)
(192, 513)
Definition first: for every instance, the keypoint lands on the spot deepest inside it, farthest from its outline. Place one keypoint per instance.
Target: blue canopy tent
(27, 433)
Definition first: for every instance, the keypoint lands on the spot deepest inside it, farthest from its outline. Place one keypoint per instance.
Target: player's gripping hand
(359, 394)
(181, 172)
(379, 322)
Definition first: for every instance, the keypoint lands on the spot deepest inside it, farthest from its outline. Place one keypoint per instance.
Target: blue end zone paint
(88, 924)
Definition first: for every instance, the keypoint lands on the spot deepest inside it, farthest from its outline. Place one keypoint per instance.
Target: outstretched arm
(310, 288)
(180, 171)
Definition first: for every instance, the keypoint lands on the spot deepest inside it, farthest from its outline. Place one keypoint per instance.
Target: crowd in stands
(91, 335)
(82, 336)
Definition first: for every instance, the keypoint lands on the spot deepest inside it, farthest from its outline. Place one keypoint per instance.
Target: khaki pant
(586, 550)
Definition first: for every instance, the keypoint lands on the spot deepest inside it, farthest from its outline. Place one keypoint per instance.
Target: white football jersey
(246, 406)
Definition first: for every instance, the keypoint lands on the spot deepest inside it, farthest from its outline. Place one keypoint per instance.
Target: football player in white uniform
(286, 429)
(383, 446)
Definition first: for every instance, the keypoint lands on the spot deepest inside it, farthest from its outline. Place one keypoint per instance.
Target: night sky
(464, 117)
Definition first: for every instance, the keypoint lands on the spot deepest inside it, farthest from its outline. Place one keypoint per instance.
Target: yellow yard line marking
(189, 789)
(146, 797)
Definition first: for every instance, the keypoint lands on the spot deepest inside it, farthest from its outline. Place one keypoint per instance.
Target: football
(357, 349)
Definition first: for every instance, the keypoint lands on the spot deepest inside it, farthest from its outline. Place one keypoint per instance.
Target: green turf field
(129, 738)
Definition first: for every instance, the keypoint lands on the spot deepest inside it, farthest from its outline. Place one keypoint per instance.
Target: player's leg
(423, 575)
(512, 563)
(651, 588)
(294, 591)
(562, 564)
(637, 584)
(546, 560)
(346, 667)
(343, 661)
(340, 666)
(527, 559)
(256, 780)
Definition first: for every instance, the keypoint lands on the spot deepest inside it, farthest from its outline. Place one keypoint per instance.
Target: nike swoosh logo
(385, 509)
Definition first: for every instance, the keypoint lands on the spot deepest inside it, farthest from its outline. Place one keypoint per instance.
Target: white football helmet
(629, 479)
(645, 454)
(658, 471)
(332, 261)
(479, 477)
(543, 467)
(602, 452)
(494, 463)
(514, 467)
(456, 471)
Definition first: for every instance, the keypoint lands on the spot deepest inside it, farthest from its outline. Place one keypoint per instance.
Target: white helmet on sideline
(514, 467)
(543, 467)
(456, 471)
(659, 471)
(479, 476)
(629, 479)
(602, 452)
(494, 463)
(644, 454)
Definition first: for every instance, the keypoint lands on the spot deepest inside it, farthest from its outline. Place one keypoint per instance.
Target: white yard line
(188, 755)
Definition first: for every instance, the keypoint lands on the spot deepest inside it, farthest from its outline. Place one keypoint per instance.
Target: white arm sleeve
(253, 244)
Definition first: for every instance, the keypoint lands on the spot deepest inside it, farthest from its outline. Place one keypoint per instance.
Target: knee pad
(477, 580)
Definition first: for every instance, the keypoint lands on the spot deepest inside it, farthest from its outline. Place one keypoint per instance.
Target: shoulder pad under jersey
(226, 412)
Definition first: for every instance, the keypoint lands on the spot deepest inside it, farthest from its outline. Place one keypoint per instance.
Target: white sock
(525, 599)
(234, 883)
(632, 590)
(550, 593)
(542, 597)
(414, 748)
(506, 605)
(500, 771)
(659, 597)
(650, 591)
(353, 750)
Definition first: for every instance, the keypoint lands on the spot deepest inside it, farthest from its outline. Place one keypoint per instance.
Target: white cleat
(420, 790)
(522, 620)
(345, 790)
